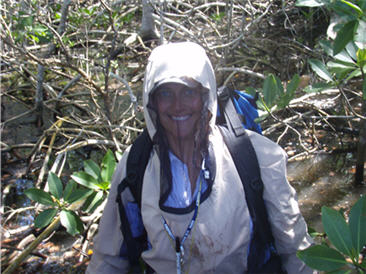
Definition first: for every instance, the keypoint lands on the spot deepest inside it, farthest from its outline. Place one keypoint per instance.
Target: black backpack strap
(133, 249)
(262, 242)
(137, 161)
(227, 108)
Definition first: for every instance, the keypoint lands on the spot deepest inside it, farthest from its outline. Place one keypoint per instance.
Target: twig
(13, 212)
(12, 119)
(244, 70)
(35, 253)
(349, 105)
(46, 159)
(130, 92)
(69, 85)
(174, 24)
(285, 123)
(89, 142)
(13, 266)
(37, 147)
(282, 134)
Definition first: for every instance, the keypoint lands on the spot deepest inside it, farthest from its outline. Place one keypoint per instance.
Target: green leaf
(363, 264)
(354, 7)
(326, 46)
(40, 30)
(279, 87)
(362, 5)
(337, 230)
(344, 57)
(361, 57)
(341, 65)
(310, 3)
(360, 35)
(93, 202)
(344, 36)
(24, 20)
(270, 90)
(351, 49)
(340, 69)
(57, 15)
(344, 11)
(294, 83)
(342, 74)
(250, 90)
(357, 223)
(70, 187)
(290, 92)
(353, 74)
(78, 195)
(108, 166)
(313, 233)
(55, 185)
(45, 217)
(71, 222)
(322, 258)
(85, 179)
(92, 169)
(40, 196)
(340, 271)
(104, 185)
(34, 38)
(320, 69)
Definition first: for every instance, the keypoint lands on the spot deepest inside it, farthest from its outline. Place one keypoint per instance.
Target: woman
(193, 207)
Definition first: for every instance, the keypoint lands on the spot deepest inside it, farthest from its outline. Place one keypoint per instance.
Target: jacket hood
(178, 63)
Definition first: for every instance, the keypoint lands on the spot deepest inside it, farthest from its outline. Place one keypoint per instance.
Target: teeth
(180, 118)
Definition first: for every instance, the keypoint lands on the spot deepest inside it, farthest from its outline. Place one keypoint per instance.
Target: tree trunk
(41, 69)
(39, 96)
(148, 30)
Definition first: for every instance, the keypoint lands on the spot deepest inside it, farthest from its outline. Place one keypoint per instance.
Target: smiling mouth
(180, 118)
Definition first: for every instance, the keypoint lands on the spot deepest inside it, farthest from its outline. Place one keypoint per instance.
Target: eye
(164, 93)
(190, 92)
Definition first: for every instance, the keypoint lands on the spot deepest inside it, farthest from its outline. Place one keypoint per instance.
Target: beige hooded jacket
(219, 241)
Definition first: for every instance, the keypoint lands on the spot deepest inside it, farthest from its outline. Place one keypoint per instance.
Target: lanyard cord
(179, 250)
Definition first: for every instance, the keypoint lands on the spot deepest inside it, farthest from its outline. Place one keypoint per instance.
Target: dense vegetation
(71, 76)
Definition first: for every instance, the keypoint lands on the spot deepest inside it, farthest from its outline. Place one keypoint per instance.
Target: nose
(177, 103)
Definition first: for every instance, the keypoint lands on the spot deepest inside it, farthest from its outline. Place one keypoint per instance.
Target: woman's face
(179, 110)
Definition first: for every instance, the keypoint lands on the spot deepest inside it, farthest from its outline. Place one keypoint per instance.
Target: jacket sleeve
(288, 225)
(108, 242)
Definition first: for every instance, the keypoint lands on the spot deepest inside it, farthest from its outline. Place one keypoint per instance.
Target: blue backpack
(237, 111)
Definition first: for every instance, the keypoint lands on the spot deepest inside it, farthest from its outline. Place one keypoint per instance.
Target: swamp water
(324, 180)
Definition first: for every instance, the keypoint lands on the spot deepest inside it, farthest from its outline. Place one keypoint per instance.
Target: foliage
(27, 28)
(347, 54)
(59, 200)
(350, 18)
(347, 51)
(275, 94)
(96, 179)
(347, 239)
(64, 201)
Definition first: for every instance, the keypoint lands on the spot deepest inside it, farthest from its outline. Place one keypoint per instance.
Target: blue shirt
(181, 194)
